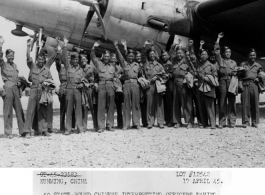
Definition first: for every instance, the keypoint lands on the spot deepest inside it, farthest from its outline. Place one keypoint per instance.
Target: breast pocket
(35, 77)
(9, 73)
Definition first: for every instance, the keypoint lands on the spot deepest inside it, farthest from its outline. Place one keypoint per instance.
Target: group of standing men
(143, 86)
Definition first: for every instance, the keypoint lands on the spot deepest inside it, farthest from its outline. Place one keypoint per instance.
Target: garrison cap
(252, 50)
(9, 52)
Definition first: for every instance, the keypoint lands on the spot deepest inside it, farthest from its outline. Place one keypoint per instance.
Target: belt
(71, 86)
(225, 78)
(131, 81)
(248, 82)
(36, 86)
(10, 83)
(104, 82)
(178, 79)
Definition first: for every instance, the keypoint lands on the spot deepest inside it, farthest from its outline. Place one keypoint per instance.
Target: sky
(19, 45)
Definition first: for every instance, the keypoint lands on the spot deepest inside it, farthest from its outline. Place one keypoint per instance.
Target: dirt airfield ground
(172, 148)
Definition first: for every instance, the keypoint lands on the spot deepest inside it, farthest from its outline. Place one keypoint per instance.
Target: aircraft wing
(242, 22)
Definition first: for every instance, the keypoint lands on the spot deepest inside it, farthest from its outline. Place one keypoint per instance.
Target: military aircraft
(163, 21)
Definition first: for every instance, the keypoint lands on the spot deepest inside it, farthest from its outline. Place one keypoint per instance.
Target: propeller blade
(89, 17)
(97, 10)
(170, 42)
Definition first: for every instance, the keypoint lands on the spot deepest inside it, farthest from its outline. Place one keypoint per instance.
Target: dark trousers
(73, 103)
(62, 99)
(196, 110)
(91, 108)
(227, 104)
(250, 104)
(118, 102)
(106, 97)
(143, 105)
(12, 100)
(35, 107)
(131, 104)
(155, 106)
(207, 109)
(168, 106)
(182, 98)
(50, 116)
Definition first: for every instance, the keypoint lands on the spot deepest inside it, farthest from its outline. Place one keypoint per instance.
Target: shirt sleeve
(1, 58)
(51, 59)
(65, 58)
(30, 63)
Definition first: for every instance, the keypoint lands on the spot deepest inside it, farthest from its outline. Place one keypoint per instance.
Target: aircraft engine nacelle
(51, 43)
(146, 20)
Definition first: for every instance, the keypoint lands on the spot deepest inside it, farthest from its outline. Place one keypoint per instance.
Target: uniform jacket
(106, 72)
(37, 74)
(9, 72)
(74, 74)
(225, 67)
(207, 69)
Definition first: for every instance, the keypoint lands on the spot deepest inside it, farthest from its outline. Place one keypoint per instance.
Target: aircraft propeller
(98, 6)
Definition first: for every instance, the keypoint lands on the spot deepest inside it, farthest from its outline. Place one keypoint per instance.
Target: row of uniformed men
(142, 76)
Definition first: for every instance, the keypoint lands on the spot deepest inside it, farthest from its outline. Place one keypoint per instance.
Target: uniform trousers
(34, 107)
(131, 104)
(106, 97)
(74, 103)
(227, 104)
(168, 105)
(143, 104)
(207, 109)
(91, 108)
(118, 102)
(155, 106)
(62, 99)
(182, 98)
(12, 100)
(250, 103)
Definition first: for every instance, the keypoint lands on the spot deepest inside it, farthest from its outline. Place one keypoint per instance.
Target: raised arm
(1, 51)
(124, 43)
(29, 59)
(53, 57)
(65, 56)
(58, 63)
(120, 57)
(217, 49)
(93, 53)
(144, 50)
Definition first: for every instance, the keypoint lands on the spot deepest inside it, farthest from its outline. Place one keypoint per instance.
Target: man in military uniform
(226, 100)
(118, 95)
(38, 74)
(74, 77)
(182, 94)
(61, 93)
(132, 71)
(106, 93)
(208, 81)
(143, 104)
(250, 95)
(153, 71)
(90, 72)
(168, 97)
(9, 73)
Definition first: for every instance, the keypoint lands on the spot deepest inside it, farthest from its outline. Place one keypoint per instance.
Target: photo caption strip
(130, 182)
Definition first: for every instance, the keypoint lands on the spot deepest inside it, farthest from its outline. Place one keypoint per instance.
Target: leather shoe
(110, 129)
(46, 134)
